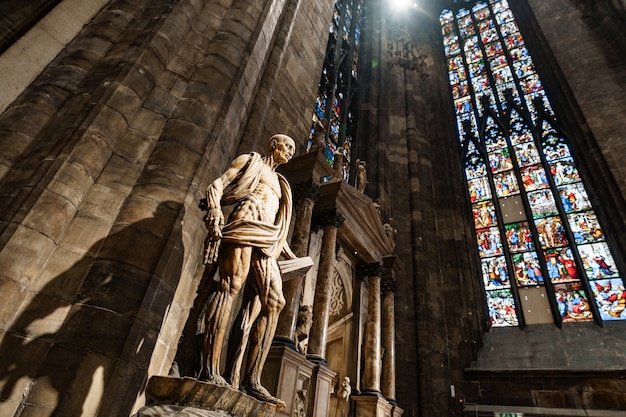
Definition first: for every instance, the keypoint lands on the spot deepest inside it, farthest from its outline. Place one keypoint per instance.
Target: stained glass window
(334, 119)
(535, 224)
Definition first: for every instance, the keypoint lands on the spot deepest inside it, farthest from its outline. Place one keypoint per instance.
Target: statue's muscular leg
(251, 307)
(234, 265)
(269, 283)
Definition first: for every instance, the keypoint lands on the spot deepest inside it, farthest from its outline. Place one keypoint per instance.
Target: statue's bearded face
(283, 148)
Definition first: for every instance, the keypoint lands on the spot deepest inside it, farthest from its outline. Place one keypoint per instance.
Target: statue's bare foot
(216, 379)
(260, 393)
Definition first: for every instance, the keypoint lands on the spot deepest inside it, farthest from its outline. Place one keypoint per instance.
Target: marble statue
(391, 232)
(318, 141)
(361, 175)
(248, 245)
(303, 326)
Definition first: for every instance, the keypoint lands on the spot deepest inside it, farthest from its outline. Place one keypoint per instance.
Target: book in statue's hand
(292, 268)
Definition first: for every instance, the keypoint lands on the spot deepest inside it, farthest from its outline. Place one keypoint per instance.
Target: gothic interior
(458, 182)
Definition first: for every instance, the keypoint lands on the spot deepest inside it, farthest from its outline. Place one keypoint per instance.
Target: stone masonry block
(96, 44)
(135, 146)
(120, 174)
(134, 246)
(195, 138)
(123, 100)
(151, 62)
(40, 317)
(94, 329)
(175, 158)
(149, 214)
(85, 234)
(71, 182)
(91, 153)
(63, 274)
(115, 287)
(139, 79)
(12, 296)
(12, 144)
(162, 46)
(51, 216)
(102, 202)
(106, 125)
(18, 369)
(196, 112)
(161, 102)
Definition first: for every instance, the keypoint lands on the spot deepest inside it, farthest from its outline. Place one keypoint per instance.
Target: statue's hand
(214, 221)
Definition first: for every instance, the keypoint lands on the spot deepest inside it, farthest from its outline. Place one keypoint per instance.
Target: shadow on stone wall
(82, 344)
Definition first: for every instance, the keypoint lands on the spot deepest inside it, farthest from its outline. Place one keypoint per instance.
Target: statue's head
(282, 148)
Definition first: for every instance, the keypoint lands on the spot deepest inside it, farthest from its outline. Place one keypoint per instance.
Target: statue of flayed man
(247, 246)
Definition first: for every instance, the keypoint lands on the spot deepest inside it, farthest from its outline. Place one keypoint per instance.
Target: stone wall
(104, 158)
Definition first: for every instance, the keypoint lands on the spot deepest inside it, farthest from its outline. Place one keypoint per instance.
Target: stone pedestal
(374, 406)
(167, 396)
(319, 396)
(287, 375)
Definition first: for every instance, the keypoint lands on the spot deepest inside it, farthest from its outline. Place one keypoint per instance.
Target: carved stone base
(374, 406)
(287, 375)
(167, 396)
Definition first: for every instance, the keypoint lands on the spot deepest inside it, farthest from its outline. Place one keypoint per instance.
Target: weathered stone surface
(191, 392)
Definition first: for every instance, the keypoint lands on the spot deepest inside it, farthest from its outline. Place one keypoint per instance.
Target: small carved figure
(247, 246)
(377, 206)
(343, 396)
(338, 167)
(361, 175)
(303, 326)
(345, 390)
(391, 232)
(318, 141)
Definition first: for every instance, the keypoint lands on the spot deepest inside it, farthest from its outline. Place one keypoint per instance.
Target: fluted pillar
(371, 347)
(306, 195)
(388, 289)
(316, 350)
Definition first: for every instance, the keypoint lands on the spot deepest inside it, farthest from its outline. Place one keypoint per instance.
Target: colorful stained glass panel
(551, 232)
(534, 178)
(610, 296)
(564, 171)
(572, 302)
(506, 184)
(585, 227)
(519, 237)
(489, 242)
(597, 260)
(542, 203)
(527, 269)
(501, 308)
(484, 214)
(561, 265)
(495, 273)
(574, 197)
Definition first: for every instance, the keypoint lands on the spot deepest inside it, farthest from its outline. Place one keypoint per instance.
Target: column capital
(305, 190)
(327, 218)
(374, 269)
(388, 285)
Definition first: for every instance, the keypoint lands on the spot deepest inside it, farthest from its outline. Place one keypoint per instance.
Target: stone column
(388, 288)
(316, 351)
(305, 194)
(371, 347)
